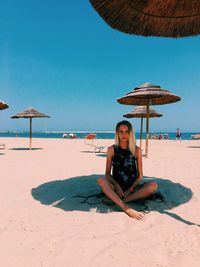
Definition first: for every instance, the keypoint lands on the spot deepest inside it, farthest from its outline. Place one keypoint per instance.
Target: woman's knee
(101, 181)
(153, 186)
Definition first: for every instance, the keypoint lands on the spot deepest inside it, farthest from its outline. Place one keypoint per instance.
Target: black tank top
(124, 169)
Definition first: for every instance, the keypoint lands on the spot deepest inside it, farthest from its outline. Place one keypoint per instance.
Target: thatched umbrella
(3, 105)
(148, 94)
(29, 114)
(171, 18)
(141, 112)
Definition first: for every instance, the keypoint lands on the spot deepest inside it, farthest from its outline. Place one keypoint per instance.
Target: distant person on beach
(160, 136)
(178, 134)
(124, 184)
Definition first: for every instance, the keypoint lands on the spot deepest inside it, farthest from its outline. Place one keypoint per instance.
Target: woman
(125, 158)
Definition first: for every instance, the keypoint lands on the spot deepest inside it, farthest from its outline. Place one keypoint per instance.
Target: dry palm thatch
(141, 112)
(3, 105)
(29, 114)
(148, 94)
(169, 18)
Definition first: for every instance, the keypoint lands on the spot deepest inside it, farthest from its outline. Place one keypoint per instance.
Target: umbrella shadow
(82, 193)
(25, 148)
(94, 152)
(103, 155)
(193, 147)
(89, 151)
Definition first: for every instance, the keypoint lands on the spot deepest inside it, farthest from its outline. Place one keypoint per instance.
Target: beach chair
(69, 135)
(89, 140)
(153, 136)
(2, 146)
(166, 136)
(195, 137)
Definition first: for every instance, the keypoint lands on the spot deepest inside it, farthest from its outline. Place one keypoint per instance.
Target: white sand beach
(43, 224)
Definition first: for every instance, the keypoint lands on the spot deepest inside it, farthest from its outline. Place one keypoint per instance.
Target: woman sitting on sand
(125, 158)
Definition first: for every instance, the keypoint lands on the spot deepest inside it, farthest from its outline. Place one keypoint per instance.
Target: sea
(82, 134)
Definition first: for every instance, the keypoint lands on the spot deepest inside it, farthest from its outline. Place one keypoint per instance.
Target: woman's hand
(119, 190)
(128, 192)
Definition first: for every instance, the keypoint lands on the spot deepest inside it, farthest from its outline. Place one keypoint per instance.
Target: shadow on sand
(69, 195)
(25, 148)
(103, 155)
(94, 152)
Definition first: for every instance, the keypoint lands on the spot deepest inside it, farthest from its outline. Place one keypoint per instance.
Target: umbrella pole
(147, 131)
(30, 132)
(141, 126)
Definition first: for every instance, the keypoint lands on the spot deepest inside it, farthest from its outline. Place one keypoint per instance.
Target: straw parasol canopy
(3, 105)
(30, 113)
(141, 112)
(169, 18)
(148, 94)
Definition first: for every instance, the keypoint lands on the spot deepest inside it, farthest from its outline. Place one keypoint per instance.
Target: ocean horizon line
(58, 132)
(88, 131)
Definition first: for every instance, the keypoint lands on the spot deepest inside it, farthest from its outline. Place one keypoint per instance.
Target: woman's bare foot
(134, 214)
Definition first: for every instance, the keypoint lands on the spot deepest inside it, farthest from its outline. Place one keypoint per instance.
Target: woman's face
(123, 133)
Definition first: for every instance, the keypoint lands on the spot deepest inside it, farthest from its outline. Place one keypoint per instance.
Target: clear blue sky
(61, 58)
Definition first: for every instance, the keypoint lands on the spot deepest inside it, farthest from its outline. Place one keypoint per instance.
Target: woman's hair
(131, 140)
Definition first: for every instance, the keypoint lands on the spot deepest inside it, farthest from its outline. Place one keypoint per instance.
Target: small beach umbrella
(148, 94)
(170, 18)
(141, 112)
(3, 105)
(30, 113)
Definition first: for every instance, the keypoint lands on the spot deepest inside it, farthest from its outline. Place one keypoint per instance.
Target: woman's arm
(110, 154)
(138, 154)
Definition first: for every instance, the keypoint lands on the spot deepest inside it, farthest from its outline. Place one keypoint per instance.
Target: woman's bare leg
(110, 193)
(148, 189)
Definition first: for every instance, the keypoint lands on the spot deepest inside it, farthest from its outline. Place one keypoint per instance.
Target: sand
(44, 223)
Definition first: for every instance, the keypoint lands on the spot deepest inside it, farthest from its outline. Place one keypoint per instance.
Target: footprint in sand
(180, 243)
